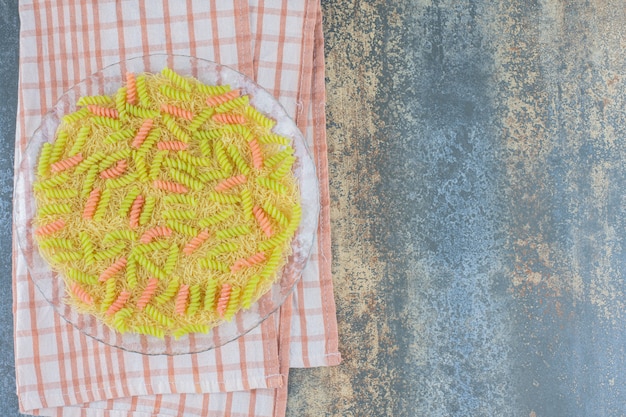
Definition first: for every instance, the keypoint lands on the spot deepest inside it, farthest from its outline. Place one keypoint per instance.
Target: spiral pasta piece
(183, 199)
(213, 90)
(182, 228)
(135, 211)
(185, 179)
(100, 100)
(177, 111)
(224, 198)
(273, 160)
(260, 118)
(131, 88)
(128, 201)
(232, 232)
(213, 175)
(44, 159)
(274, 138)
(52, 182)
(103, 111)
(92, 204)
(271, 184)
(51, 209)
(174, 93)
(111, 252)
(246, 203)
(148, 292)
(76, 116)
(210, 293)
(112, 159)
(196, 241)
(169, 292)
(172, 145)
(181, 165)
(116, 171)
(263, 220)
(199, 119)
(276, 214)
(107, 122)
(229, 118)
(122, 181)
(152, 138)
(175, 128)
(147, 211)
(233, 303)
(109, 294)
(208, 135)
(56, 242)
(154, 331)
(120, 234)
(119, 302)
(141, 167)
(103, 205)
(142, 133)
(158, 316)
(257, 155)
(155, 246)
(194, 160)
(59, 147)
(90, 162)
(241, 130)
(248, 262)
(230, 183)
(284, 168)
(222, 248)
(172, 259)
(158, 231)
(222, 303)
(155, 166)
(240, 163)
(115, 267)
(191, 328)
(81, 294)
(249, 290)
(131, 272)
(177, 79)
(216, 218)
(150, 266)
(120, 320)
(79, 142)
(82, 277)
(215, 101)
(232, 104)
(194, 300)
(214, 265)
(181, 299)
(87, 248)
(66, 256)
(142, 91)
(170, 186)
(178, 214)
(120, 103)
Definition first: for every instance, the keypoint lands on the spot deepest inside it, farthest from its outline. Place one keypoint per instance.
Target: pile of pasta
(167, 207)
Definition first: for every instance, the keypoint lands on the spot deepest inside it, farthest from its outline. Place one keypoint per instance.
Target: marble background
(477, 154)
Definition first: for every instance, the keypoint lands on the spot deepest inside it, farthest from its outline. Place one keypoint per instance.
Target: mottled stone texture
(477, 155)
(9, 28)
(478, 210)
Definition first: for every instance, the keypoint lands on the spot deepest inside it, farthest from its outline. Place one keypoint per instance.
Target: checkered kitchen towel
(60, 371)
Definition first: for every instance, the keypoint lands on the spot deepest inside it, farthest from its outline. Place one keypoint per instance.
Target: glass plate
(107, 81)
